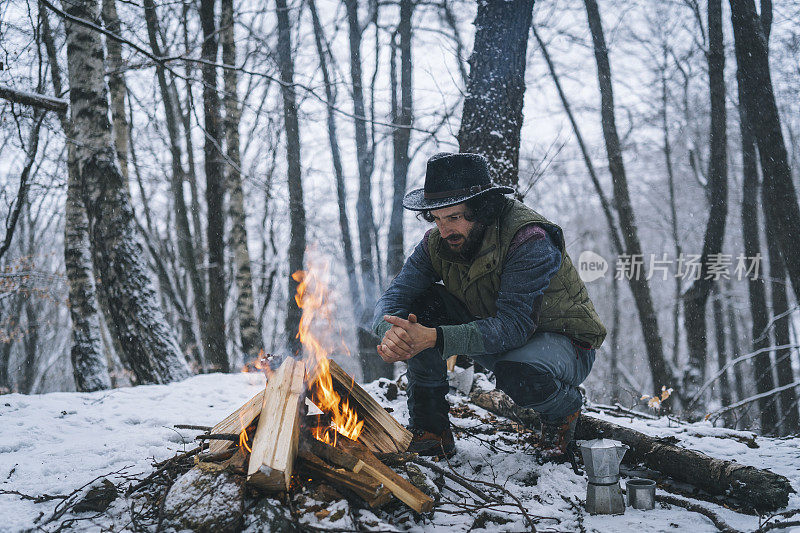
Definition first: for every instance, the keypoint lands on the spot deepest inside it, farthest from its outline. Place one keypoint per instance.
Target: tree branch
(36, 100)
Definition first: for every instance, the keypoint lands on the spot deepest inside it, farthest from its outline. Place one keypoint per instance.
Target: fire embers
(262, 363)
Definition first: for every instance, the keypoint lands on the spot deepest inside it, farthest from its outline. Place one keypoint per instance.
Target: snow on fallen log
(748, 486)
(754, 487)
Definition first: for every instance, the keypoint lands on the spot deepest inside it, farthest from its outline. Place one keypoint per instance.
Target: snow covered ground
(55, 443)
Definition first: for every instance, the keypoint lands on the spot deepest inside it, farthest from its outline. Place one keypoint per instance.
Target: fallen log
(752, 487)
(381, 432)
(400, 486)
(276, 438)
(747, 486)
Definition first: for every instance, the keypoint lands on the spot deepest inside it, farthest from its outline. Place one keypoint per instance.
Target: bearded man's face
(462, 236)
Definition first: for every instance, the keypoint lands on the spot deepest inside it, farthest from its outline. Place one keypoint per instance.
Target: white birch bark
(136, 317)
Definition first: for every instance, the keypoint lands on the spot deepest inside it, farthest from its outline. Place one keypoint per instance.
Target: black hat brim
(415, 200)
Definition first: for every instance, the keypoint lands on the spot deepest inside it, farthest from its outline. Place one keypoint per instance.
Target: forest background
(246, 141)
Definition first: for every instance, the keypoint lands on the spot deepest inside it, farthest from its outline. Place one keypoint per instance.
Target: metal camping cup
(641, 493)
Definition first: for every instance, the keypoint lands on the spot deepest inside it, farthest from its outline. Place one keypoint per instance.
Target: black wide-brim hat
(451, 179)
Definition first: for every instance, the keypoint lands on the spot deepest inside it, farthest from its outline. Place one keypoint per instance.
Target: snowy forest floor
(55, 443)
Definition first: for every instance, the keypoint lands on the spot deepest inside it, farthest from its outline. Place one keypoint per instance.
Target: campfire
(313, 418)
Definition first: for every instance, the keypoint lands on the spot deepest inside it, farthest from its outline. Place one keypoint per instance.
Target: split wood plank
(400, 487)
(236, 422)
(334, 456)
(276, 439)
(381, 432)
(366, 487)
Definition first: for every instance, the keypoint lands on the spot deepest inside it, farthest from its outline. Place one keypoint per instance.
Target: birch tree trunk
(116, 85)
(250, 332)
(89, 362)
(696, 296)
(402, 115)
(216, 351)
(297, 212)
(660, 373)
(492, 116)
(759, 100)
(184, 234)
(137, 319)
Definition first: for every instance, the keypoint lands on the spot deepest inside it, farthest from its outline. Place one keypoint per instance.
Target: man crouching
(491, 281)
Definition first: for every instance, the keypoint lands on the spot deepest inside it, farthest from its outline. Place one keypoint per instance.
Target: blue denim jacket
(526, 273)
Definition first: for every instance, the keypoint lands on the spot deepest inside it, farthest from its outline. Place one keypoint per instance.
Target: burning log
(333, 455)
(275, 442)
(400, 487)
(381, 432)
(366, 487)
(743, 486)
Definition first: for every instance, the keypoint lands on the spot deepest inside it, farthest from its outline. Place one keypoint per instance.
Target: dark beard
(472, 243)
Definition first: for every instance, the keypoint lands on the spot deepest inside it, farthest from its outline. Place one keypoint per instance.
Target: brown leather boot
(430, 444)
(556, 436)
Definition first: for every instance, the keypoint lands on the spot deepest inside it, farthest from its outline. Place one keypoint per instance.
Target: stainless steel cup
(641, 493)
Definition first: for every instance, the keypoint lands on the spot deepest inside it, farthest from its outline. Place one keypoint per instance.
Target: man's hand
(405, 339)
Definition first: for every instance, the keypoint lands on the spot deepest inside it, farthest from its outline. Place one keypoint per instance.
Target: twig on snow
(697, 508)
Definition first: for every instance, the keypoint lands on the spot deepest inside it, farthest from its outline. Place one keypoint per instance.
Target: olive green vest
(566, 307)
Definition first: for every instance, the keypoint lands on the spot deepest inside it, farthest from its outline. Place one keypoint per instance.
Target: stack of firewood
(268, 441)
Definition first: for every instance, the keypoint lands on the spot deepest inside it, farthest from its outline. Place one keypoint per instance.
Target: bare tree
(613, 229)
(789, 421)
(89, 362)
(402, 115)
(639, 285)
(297, 212)
(216, 351)
(492, 116)
(249, 327)
(136, 316)
(372, 366)
(759, 100)
(116, 85)
(341, 193)
(696, 296)
(725, 389)
(184, 236)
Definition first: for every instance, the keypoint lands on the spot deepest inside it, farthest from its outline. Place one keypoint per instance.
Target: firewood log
(400, 487)
(381, 433)
(332, 455)
(236, 422)
(365, 486)
(276, 438)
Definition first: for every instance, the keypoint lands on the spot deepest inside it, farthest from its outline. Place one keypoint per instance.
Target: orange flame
(312, 298)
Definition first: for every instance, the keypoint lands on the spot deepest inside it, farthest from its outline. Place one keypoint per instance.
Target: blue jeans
(542, 374)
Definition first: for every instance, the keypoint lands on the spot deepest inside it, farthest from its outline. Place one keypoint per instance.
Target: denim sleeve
(526, 274)
(416, 275)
